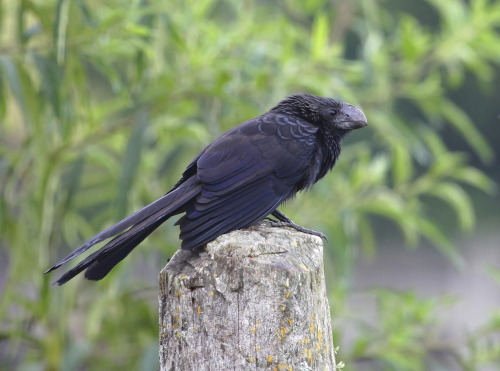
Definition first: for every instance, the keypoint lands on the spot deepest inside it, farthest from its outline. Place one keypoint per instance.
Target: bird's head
(323, 112)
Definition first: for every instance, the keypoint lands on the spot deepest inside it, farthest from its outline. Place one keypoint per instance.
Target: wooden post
(253, 299)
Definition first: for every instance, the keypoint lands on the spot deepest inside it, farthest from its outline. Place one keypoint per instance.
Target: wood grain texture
(253, 299)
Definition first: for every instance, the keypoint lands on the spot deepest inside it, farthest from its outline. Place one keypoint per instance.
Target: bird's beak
(354, 118)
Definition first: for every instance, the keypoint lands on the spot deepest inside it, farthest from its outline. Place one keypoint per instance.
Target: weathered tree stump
(254, 299)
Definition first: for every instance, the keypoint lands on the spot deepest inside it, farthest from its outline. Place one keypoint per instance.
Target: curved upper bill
(354, 118)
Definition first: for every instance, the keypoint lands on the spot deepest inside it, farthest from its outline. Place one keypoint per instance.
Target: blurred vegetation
(102, 104)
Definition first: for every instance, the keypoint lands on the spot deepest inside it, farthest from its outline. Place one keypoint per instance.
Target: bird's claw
(297, 227)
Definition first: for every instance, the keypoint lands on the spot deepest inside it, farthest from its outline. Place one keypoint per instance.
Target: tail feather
(101, 267)
(140, 224)
(98, 264)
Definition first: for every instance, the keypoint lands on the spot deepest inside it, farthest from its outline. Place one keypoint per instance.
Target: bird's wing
(246, 174)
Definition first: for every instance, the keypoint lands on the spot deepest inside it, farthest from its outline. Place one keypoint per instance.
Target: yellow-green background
(103, 103)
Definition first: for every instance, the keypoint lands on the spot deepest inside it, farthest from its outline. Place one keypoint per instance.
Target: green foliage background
(103, 103)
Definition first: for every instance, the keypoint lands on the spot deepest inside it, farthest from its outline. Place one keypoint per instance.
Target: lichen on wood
(252, 299)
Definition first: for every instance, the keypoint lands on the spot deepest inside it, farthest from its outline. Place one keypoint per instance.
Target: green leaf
(131, 163)
(13, 81)
(475, 178)
(403, 167)
(367, 236)
(392, 206)
(61, 28)
(72, 179)
(440, 240)
(51, 76)
(319, 36)
(464, 125)
(455, 196)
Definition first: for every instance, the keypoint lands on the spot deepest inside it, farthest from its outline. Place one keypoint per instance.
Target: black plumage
(236, 181)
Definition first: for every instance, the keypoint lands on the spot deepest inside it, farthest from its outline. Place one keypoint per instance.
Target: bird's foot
(274, 223)
(285, 221)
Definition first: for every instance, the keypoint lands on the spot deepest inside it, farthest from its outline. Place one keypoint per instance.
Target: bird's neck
(331, 140)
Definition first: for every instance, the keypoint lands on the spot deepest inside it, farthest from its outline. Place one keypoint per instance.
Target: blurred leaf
(11, 77)
(60, 28)
(475, 178)
(458, 199)
(131, 163)
(463, 124)
(367, 237)
(72, 180)
(413, 41)
(393, 207)
(442, 242)
(51, 76)
(403, 167)
(319, 36)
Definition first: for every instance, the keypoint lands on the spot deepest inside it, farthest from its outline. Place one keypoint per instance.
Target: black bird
(237, 181)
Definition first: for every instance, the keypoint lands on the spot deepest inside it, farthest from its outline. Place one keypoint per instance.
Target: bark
(253, 299)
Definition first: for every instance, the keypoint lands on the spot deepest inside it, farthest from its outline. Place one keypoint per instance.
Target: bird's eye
(332, 112)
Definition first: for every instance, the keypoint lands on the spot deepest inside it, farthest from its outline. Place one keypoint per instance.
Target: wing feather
(246, 174)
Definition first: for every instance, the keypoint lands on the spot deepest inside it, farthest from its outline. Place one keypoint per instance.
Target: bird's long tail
(140, 225)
